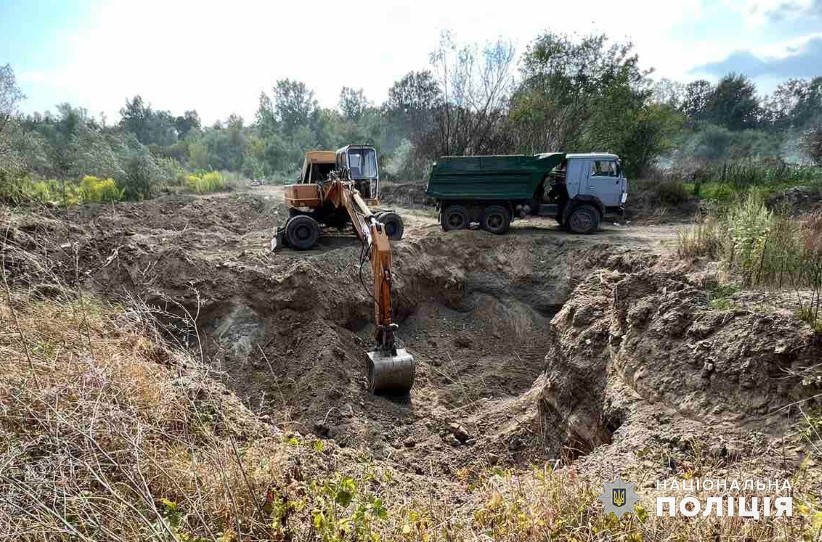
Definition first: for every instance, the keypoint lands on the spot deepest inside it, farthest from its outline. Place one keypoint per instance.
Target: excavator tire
(389, 373)
(394, 226)
(302, 232)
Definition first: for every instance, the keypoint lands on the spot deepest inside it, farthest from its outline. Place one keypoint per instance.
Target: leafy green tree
(149, 126)
(794, 104)
(589, 94)
(187, 122)
(733, 103)
(10, 95)
(695, 99)
(294, 105)
(353, 103)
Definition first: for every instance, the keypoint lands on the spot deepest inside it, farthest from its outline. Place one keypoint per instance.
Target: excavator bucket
(390, 373)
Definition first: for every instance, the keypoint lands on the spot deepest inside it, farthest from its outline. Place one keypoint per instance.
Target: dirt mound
(642, 361)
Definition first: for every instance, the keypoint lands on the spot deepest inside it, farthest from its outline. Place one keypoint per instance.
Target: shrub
(94, 189)
(27, 190)
(670, 192)
(206, 182)
(714, 191)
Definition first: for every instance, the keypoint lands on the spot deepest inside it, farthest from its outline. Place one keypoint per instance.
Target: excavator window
(362, 163)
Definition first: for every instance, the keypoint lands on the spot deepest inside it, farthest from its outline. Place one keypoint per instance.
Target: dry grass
(107, 434)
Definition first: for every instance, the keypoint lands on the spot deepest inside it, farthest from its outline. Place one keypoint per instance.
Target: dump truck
(339, 189)
(578, 190)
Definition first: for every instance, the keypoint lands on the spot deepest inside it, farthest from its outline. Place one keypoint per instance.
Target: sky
(218, 56)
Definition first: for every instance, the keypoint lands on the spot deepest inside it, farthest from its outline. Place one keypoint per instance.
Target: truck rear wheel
(302, 232)
(583, 219)
(393, 224)
(495, 219)
(454, 217)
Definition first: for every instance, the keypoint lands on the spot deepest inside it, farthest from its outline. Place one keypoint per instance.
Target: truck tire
(454, 217)
(583, 219)
(393, 224)
(495, 219)
(302, 232)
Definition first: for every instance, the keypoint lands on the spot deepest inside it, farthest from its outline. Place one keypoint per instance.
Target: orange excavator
(335, 190)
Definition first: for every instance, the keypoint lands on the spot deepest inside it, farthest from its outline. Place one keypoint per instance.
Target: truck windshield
(604, 168)
(362, 163)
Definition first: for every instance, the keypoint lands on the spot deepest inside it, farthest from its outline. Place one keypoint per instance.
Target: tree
(294, 105)
(588, 94)
(412, 105)
(10, 95)
(794, 104)
(733, 103)
(184, 124)
(476, 86)
(149, 126)
(695, 99)
(353, 103)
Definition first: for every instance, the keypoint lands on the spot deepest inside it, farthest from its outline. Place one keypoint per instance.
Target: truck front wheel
(583, 219)
(495, 219)
(454, 217)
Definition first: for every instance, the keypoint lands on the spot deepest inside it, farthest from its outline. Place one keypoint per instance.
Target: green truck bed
(510, 177)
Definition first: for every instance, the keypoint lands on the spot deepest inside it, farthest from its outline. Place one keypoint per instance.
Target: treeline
(564, 94)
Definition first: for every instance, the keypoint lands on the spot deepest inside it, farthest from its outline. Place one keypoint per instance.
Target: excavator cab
(360, 162)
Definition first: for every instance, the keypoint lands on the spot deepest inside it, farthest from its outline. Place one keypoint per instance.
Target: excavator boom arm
(390, 368)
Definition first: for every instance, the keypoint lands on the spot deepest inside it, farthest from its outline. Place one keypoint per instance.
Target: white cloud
(217, 57)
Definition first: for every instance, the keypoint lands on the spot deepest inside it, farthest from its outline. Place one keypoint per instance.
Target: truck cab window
(604, 168)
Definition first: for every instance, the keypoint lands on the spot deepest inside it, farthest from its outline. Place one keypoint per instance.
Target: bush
(27, 190)
(206, 182)
(98, 190)
(672, 192)
(714, 191)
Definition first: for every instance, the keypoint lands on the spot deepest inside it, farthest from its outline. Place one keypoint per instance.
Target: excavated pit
(473, 309)
(511, 367)
(288, 332)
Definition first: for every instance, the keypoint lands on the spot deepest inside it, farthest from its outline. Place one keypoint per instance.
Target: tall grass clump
(747, 174)
(811, 270)
(700, 240)
(204, 183)
(763, 248)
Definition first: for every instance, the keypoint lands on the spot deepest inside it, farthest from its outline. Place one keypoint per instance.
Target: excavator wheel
(301, 232)
(394, 226)
(390, 374)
